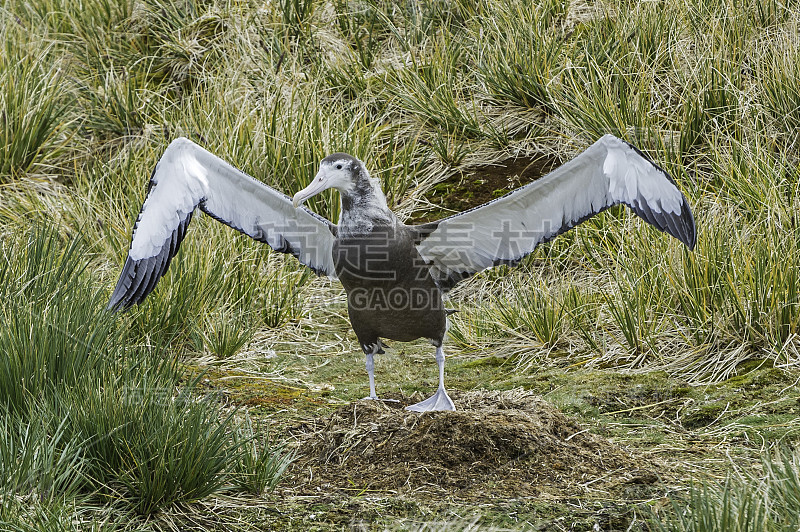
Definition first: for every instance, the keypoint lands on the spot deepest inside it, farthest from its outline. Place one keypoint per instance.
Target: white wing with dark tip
(188, 176)
(505, 230)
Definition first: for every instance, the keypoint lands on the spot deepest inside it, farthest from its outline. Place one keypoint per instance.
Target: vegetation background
(148, 420)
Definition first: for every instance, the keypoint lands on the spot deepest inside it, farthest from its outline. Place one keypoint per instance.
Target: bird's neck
(364, 207)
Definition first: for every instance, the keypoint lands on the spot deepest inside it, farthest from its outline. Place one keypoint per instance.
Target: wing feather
(186, 177)
(505, 230)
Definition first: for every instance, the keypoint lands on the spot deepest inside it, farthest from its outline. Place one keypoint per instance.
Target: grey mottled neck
(364, 206)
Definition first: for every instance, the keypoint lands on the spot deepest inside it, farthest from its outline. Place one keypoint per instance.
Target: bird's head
(341, 171)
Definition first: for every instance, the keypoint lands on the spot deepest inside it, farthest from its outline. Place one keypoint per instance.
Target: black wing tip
(691, 237)
(143, 275)
(685, 227)
(688, 239)
(123, 297)
(680, 226)
(117, 303)
(686, 220)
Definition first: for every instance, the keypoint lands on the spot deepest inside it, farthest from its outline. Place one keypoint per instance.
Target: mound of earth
(498, 444)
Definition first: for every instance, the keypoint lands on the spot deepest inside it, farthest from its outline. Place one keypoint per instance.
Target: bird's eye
(338, 166)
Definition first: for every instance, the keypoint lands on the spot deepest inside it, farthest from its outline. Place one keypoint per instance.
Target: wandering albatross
(395, 275)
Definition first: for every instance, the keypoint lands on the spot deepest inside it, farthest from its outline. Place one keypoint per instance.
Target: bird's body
(390, 293)
(395, 275)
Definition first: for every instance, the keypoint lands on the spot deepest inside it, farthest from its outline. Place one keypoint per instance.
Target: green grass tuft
(748, 504)
(35, 117)
(82, 410)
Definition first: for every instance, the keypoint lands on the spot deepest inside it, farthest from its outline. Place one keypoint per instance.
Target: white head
(341, 171)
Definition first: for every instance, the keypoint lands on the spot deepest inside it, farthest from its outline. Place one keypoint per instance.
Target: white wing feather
(188, 176)
(505, 230)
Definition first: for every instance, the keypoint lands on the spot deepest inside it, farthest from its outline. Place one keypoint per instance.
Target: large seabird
(395, 275)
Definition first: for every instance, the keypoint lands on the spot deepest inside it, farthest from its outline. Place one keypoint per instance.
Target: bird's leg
(371, 370)
(440, 400)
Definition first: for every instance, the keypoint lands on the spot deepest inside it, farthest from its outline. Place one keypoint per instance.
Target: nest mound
(510, 444)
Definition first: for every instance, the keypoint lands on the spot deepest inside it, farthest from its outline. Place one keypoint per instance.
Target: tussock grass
(18, 516)
(84, 413)
(744, 502)
(260, 462)
(37, 459)
(779, 76)
(521, 55)
(35, 116)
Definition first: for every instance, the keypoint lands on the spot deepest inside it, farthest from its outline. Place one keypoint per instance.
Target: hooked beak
(317, 185)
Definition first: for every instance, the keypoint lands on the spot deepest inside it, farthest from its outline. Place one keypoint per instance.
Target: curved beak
(317, 185)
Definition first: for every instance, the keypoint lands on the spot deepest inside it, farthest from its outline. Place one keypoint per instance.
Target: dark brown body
(390, 293)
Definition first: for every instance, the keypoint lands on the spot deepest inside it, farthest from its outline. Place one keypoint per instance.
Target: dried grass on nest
(499, 444)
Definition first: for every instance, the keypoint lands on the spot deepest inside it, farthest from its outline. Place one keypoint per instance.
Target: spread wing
(188, 176)
(507, 229)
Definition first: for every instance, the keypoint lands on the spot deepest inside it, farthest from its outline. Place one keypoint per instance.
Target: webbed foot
(437, 402)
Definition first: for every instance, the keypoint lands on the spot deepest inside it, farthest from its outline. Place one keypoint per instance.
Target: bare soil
(476, 186)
